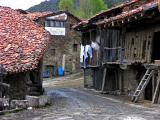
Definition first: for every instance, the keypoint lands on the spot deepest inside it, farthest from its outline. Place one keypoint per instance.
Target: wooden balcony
(113, 55)
(92, 62)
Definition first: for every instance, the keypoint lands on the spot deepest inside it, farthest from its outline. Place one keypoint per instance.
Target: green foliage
(51, 5)
(112, 3)
(80, 8)
(79, 13)
(88, 8)
(66, 5)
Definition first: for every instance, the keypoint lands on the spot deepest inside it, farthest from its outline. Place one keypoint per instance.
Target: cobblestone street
(81, 104)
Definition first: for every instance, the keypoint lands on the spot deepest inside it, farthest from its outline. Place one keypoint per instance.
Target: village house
(127, 57)
(22, 45)
(64, 47)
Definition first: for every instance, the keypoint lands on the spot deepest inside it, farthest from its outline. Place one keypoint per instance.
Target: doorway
(112, 81)
(148, 91)
(155, 47)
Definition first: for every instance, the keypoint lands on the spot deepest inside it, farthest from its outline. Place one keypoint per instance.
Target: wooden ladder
(142, 85)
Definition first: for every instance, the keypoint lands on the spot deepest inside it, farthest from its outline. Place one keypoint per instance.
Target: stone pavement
(81, 104)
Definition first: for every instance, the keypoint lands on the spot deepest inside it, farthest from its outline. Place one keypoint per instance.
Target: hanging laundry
(85, 56)
(95, 45)
(81, 53)
(90, 52)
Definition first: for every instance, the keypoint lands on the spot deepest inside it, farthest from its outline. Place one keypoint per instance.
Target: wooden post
(63, 62)
(104, 79)
(2, 75)
(120, 81)
(159, 99)
(153, 85)
(1, 89)
(156, 93)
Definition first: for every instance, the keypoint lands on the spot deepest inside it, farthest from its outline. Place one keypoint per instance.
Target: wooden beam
(112, 23)
(135, 17)
(4, 84)
(104, 79)
(156, 93)
(153, 84)
(128, 19)
(159, 99)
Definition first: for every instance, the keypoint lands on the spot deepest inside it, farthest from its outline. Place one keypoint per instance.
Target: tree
(89, 8)
(66, 5)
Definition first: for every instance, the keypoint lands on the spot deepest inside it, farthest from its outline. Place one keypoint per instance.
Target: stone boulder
(15, 104)
(39, 101)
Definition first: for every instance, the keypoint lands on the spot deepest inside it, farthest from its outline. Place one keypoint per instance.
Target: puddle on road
(65, 118)
(125, 117)
(133, 118)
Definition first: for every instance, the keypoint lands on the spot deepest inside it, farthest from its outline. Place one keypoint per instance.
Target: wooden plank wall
(138, 45)
(110, 38)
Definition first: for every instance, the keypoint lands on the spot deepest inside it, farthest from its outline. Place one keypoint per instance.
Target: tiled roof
(114, 8)
(68, 13)
(37, 15)
(22, 42)
(127, 14)
(105, 12)
(123, 15)
(82, 23)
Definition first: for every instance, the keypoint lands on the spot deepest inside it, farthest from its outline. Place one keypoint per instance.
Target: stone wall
(61, 46)
(18, 87)
(24, 83)
(131, 78)
(88, 78)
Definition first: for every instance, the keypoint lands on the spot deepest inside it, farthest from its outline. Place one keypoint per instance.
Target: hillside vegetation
(53, 5)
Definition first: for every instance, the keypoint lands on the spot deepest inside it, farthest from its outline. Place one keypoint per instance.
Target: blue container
(46, 74)
(60, 71)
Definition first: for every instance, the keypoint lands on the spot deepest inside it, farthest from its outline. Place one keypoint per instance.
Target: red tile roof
(22, 42)
(37, 15)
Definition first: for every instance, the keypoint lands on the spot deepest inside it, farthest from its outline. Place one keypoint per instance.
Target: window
(47, 23)
(53, 23)
(53, 52)
(75, 47)
(62, 24)
(57, 24)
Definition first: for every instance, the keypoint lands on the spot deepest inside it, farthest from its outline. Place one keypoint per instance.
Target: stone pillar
(63, 62)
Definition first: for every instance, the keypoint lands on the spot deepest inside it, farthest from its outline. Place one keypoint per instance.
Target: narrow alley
(72, 102)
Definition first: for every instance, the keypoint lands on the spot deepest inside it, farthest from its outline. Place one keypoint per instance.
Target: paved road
(80, 104)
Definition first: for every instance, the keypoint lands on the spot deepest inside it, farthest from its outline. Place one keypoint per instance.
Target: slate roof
(22, 42)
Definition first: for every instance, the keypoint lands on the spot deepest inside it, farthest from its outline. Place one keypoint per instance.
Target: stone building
(128, 55)
(22, 45)
(65, 42)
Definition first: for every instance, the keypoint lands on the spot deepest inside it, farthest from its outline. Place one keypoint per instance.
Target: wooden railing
(113, 55)
(94, 61)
